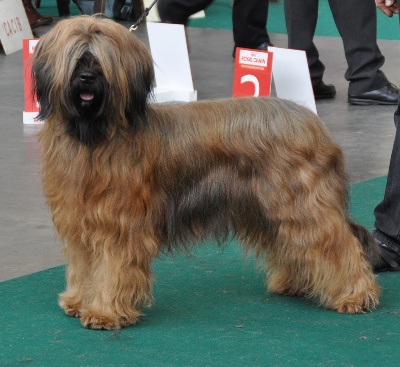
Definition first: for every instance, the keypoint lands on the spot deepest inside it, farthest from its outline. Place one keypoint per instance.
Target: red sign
(252, 74)
(31, 105)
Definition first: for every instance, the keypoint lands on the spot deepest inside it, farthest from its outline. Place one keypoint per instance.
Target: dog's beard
(89, 116)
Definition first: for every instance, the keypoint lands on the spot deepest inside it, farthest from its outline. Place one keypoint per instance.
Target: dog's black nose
(87, 77)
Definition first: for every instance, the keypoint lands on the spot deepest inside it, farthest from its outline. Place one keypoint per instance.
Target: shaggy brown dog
(126, 179)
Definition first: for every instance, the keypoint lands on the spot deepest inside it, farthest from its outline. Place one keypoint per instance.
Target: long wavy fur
(158, 177)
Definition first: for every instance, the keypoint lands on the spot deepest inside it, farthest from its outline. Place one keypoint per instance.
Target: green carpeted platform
(210, 310)
(219, 15)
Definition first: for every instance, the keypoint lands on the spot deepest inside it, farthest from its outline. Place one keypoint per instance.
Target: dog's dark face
(89, 90)
(88, 86)
(92, 78)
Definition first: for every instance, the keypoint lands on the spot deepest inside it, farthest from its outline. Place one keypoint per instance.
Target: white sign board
(14, 25)
(171, 62)
(292, 77)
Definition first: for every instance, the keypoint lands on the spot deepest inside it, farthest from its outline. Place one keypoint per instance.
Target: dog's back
(268, 119)
(229, 166)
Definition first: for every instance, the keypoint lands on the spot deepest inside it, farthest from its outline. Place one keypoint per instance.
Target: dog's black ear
(41, 89)
(140, 89)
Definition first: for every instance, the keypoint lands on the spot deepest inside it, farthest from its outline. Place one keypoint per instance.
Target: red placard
(31, 105)
(252, 73)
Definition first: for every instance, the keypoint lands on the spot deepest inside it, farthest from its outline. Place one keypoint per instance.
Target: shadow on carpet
(211, 309)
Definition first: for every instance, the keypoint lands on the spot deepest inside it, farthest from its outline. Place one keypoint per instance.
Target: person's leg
(387, 213)
(98, 6)
(357, 26)
(249, 21)
(179, 11)
(301, 21)
(34, 17)
(63, 8)
(84, 6)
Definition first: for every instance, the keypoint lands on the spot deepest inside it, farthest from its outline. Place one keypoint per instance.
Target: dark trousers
(387, 212)
(63, 8)
(249, 18)
(356, 22)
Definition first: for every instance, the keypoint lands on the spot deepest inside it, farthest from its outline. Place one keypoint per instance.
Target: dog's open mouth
(87, 96)
(86, 99)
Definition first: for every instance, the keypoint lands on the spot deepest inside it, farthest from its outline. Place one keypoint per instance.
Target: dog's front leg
(71, 300)
(120, 283)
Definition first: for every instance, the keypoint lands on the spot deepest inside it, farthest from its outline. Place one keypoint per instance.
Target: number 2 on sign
(252, 79)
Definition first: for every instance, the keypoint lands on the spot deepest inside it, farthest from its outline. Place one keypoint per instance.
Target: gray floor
(27, 240)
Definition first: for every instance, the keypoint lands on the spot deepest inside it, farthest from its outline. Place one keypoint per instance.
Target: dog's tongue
(87, 96)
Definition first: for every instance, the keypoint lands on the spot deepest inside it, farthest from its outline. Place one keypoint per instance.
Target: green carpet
(210, 310)
(219, 16)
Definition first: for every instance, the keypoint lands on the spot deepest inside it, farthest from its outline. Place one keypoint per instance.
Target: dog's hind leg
(314, 252)
(120, 284)
(325, 262)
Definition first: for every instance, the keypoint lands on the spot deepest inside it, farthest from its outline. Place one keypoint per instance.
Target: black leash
(141, 18)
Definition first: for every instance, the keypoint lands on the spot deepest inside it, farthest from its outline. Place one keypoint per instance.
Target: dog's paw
(72, 311)
(70, 308)
(361, 304)
(284, 288)
(93, 320)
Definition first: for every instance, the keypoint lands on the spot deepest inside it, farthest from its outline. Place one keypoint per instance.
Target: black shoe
(263, 47)
(388, 95)
(387, 255)
(324, 91)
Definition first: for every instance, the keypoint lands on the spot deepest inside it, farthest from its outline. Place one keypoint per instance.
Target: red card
(31, 105)
(252, 74)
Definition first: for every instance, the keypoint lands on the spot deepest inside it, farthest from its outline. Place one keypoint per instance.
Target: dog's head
(92, 75)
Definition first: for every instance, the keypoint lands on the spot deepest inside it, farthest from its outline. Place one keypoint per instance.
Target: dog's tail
(367, 241)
